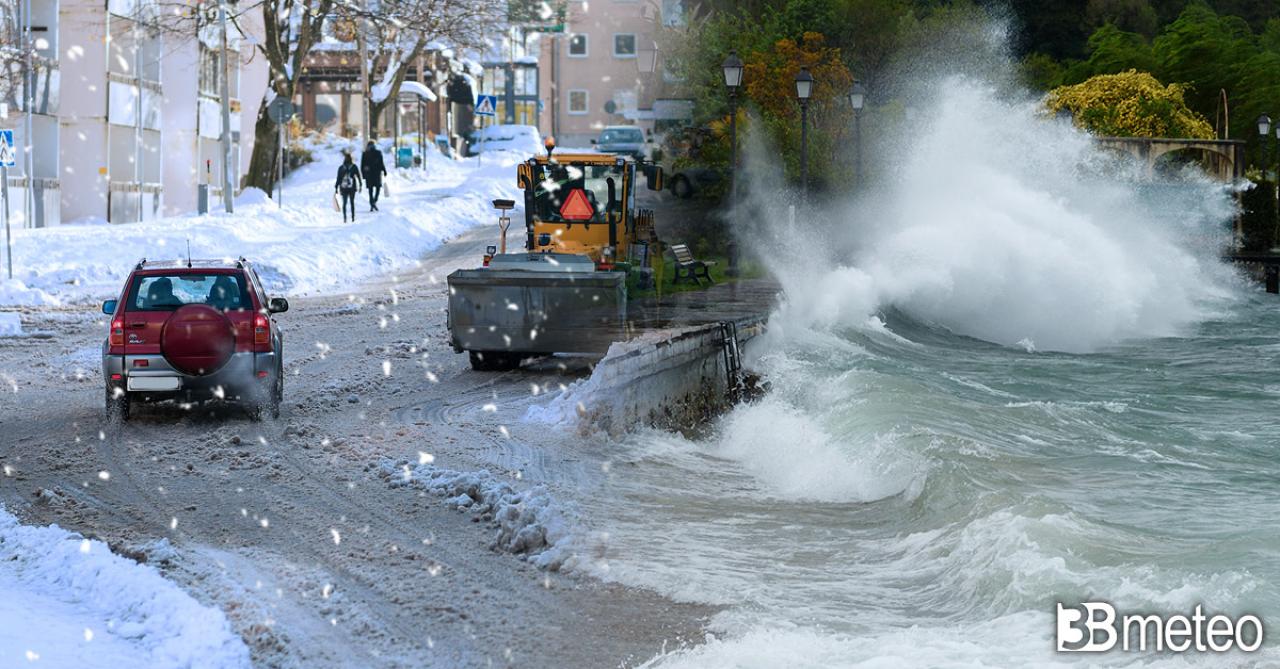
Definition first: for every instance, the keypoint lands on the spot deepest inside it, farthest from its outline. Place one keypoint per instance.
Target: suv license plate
(154, 383)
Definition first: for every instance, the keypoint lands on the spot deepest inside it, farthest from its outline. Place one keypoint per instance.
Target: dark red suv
(194, 331)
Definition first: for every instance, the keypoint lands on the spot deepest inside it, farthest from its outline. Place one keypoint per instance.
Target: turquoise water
(926, 500)
(1018, 377)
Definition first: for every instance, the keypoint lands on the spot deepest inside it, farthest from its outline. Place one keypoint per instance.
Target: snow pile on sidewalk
(15, 293)
(69, 602)
(530, 523)
(10, 325)
(301, 248)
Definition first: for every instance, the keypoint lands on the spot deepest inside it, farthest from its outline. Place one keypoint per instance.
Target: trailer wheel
(494, 361)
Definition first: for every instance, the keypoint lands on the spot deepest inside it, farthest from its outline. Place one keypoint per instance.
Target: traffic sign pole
(8, 240)
(7, 160)
(280, 110)
(486, 105)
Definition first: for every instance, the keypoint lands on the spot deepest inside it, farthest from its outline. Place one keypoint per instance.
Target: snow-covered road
(301, 530)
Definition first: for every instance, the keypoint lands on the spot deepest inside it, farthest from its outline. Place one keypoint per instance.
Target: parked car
(194, 331)
(626, 140)
(521, 138)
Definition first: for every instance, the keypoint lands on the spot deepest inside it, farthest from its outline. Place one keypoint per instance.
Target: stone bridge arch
(1224, 157)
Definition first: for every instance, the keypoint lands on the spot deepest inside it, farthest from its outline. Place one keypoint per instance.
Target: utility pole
(29, 94)
(365, 107)
(227, 173)
(137, 107)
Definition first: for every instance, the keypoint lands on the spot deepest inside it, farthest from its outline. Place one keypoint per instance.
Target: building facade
(125, 112)
(605, 69)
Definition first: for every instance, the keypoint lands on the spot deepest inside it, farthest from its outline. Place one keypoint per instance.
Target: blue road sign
(8, 157)
(486, 105)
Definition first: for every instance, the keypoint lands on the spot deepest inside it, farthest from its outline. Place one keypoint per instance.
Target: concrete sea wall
(672, 379)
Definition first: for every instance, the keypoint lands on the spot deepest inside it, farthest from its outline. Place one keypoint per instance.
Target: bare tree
(398, 32)
(12, 61)
(282, 31)
(290, 28)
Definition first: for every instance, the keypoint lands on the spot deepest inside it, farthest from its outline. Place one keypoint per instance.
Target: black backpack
(348, 179)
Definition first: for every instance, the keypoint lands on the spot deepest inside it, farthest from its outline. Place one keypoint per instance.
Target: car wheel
(681, 188)
(117, 407)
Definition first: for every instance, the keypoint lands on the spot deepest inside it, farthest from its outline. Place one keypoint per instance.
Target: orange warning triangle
(577, 207)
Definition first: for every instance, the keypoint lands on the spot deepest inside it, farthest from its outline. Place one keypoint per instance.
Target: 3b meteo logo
(1093, 627)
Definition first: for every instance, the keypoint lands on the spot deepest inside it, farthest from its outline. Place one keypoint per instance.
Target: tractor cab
(586, 204)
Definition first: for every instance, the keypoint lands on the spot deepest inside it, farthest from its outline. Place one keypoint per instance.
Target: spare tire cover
(197, 339)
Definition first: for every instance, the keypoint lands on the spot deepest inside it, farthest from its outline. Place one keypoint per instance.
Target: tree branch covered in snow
(398, 32)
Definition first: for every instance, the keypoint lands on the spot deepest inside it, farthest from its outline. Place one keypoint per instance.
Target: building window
(577, 101)
(624, 45)
(578, 46)
(673, 13)
(208, 75)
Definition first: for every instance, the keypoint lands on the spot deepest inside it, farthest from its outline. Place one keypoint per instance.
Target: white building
(125, 120)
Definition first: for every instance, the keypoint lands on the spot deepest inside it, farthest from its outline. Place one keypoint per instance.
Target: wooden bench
(688, 267)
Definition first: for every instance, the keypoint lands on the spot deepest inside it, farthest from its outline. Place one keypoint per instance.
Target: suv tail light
(117, 332)
(261, 330)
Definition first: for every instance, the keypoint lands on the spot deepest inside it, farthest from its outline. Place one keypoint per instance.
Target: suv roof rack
(186, 263)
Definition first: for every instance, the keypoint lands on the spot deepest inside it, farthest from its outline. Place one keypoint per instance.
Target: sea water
(1011, 376)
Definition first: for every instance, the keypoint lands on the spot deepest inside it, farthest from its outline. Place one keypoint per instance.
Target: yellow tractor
(567, 291)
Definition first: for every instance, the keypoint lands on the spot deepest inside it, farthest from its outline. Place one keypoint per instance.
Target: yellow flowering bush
(1130, 104)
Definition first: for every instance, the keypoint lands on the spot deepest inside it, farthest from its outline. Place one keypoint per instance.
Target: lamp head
(732, 67)
(804, 84)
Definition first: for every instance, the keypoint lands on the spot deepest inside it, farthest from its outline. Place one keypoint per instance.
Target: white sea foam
(797, 459)
(1014, 232)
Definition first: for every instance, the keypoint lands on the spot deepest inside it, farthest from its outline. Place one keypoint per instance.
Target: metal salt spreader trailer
(523, 305)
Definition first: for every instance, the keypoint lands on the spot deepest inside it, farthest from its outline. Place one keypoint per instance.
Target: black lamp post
(1264, 134)
(857, 98)
(732, 67)
(804, 88)
(1264, 131)
(1275, 239)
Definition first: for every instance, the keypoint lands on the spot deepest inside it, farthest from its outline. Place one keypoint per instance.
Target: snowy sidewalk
(69, 602)
(302, 248)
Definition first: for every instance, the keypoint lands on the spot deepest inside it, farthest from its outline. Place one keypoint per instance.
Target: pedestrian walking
(348, 184)
(373, 168)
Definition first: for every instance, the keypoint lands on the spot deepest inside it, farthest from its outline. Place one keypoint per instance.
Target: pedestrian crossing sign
(8, 157)
(486, 105)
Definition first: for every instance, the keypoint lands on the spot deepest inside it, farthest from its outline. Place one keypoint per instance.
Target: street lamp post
(804, 88)
(857, 98)
(1264, 134)
(1275, 242)
(732, 67)
(1264, 131)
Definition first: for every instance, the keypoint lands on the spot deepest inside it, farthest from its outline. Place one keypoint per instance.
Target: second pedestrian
(373, 167)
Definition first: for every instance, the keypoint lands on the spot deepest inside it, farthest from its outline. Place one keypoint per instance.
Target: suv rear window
(166, 292)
